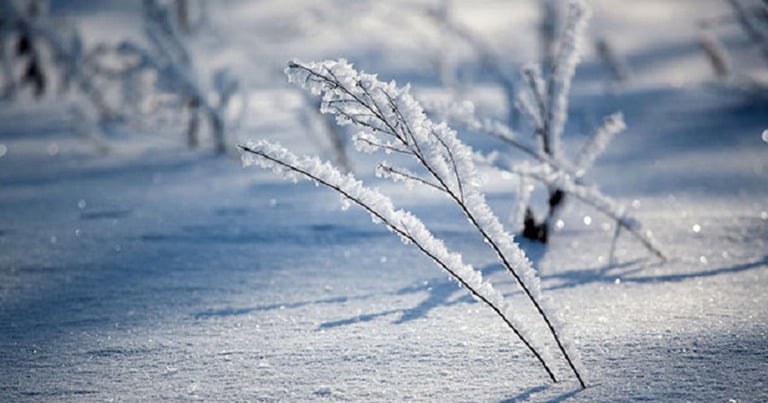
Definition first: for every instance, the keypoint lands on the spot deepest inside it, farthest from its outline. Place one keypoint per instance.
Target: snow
(155, 273)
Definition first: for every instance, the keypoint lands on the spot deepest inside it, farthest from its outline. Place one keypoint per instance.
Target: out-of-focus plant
(545, 103)
(51, 57)
(752, 17)
(159, 86)
(154, 87)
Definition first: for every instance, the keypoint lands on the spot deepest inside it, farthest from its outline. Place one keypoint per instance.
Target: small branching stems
(545, 103)
(563, 175)
(88, 71)
(392, 120)
(405, 228)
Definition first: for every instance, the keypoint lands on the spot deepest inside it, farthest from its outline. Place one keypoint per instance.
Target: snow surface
(156, 273)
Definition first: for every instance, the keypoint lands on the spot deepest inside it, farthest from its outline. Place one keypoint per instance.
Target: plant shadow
(444, 292)
(526, 394)
(530, 395)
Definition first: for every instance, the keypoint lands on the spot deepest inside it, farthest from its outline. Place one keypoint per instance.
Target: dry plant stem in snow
(560, 174)
(404, 224)
(545, 104)
(173, 63)
(392, 121)
(50, 50)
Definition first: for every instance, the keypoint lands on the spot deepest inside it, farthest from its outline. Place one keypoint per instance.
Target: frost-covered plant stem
(184, 84)
(173, 64)
(393, 122)
(546, 105)
(593, 197)
(561, 76)
(561, 174)
(404, 224)
(48, 47)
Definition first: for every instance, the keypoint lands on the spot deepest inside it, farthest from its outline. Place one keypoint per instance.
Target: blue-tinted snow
(185, 277)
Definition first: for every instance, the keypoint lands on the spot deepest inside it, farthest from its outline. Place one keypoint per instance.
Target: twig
(443, 164)
(402, 229)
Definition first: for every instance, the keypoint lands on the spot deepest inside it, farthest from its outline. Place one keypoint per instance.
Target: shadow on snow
(443, 292)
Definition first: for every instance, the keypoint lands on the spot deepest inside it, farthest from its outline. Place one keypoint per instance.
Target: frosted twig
(545, 103)
(410, 229)
(524, 191)
(388, 111)
(598, 142)
(593, 197)
(559, 84)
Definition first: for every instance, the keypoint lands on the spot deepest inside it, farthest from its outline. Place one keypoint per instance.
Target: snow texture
(153, 272)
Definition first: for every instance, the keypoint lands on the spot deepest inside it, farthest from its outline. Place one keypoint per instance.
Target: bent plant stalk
(394, 122)
(404, 228)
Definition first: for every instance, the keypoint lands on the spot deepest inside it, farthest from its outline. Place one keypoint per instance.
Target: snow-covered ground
(157, 273)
